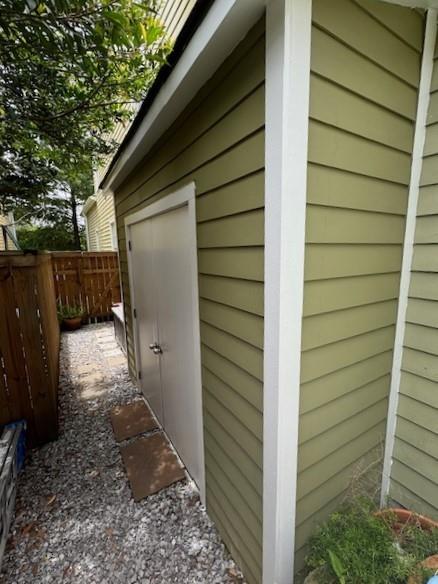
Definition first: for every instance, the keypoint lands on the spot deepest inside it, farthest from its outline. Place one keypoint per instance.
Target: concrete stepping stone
(114, 353)
(85, 369)
(93, 378)
(107, 341)
(116, 361)
(132, 419)
(94, 391)
(105, 333)
(151, 465)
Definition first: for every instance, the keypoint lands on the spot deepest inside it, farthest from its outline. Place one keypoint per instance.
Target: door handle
(155, 348)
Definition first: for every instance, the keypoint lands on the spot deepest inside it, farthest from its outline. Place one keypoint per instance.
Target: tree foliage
(48, 237)
(69, 70)
(54, 224)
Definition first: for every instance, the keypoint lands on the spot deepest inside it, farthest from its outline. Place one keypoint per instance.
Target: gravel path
(75, 518)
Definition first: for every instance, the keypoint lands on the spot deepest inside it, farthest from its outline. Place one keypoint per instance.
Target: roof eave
(221, 28)
(89, 203)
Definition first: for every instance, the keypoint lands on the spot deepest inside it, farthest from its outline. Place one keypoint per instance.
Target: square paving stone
(116, 361)
(151, 465)
(84, 369)
(132, 419)
(115, 352)
(88, 379)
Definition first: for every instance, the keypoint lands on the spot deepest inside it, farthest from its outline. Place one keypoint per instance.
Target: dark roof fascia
(192, 23)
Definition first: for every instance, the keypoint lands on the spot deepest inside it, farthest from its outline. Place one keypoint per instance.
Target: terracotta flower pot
(404, 516)
(430, 563)
(72, 324)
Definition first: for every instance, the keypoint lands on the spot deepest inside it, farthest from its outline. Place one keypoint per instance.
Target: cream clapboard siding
(219, 143)
(364, 80)
(99, 219)
(414, 477)
(92, 229)
(107, 215)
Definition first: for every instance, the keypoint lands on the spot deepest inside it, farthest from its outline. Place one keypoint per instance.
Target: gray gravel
(75, 518)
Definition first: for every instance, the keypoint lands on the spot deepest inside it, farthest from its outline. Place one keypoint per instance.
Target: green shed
(277, 214)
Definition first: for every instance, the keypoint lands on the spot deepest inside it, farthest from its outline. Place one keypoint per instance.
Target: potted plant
(70, 316)
(359, 545)
(399, 518)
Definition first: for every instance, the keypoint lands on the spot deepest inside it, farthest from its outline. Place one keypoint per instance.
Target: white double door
(162, 276)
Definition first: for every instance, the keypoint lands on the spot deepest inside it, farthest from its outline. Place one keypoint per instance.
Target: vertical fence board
(11, 348)
(50, 324)
(87, 279)
(35, 348)
(29, 344)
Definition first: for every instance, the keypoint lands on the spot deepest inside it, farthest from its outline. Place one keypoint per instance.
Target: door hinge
(129, 245)
(139, 374)
(135, 313)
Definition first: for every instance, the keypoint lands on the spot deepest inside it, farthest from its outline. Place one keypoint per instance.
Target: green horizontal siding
(414, 480)
(218, 143)
(365, 68)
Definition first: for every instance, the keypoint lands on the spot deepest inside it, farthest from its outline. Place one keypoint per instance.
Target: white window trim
(408, 248)
(288, 40)
(114, 240)
(87, 233)
(180, 198)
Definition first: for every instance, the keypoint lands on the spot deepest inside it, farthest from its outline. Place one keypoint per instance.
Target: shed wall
(414, 477)
(219, 144)
(365, 68)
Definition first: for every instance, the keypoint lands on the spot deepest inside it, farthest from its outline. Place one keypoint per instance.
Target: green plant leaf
(337, 566)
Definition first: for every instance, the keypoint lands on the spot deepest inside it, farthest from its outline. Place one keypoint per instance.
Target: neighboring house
(266, 202)
(7, 232)
(99, 209)
(100, 224)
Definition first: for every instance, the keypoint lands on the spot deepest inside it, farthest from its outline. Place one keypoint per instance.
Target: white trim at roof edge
(89, 203)
(288, 44)
(408, 248)
(224, 26)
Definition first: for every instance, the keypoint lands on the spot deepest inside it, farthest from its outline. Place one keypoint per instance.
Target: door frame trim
(185, 196)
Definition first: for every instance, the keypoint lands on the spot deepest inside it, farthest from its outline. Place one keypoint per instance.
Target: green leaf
(141, 30)
(118, 18)
(337, 566)
(41, 8)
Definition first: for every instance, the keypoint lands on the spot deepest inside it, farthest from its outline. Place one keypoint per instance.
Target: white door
(162, 252)
(146, 314)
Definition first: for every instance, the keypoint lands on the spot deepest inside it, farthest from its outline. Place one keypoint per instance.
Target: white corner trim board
(288, 40)
(224, 26)
(408, 248)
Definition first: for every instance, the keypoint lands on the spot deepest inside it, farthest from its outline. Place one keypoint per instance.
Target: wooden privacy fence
(87, 279)
(29, 344)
